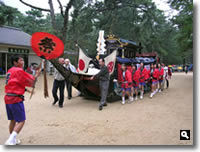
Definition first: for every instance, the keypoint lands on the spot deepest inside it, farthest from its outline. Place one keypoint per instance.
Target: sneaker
(10, 143)
(69, 98)
(123, 102)
(156, 90)
(136, 98)
(105, 104)
(141, 97)
(151, 95)
(54, 102)
(60, 106)
(159, 91)
(18, 142)
(132, 99)
(100, 108)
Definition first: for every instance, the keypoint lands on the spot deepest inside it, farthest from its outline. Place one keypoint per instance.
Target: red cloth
(143, 74)
(127, 80)
(136, 77)
(161, 73)
(148, 73)
(155, 75)
(169, 72)
(29, 70)
(17, 80)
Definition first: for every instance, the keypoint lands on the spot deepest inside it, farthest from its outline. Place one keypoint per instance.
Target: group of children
(133, 80)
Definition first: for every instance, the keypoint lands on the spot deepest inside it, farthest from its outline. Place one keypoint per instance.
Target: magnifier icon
(184, 134)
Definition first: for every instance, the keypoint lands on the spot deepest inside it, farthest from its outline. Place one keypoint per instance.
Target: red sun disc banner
(81, 65)
(110, 66)
(46, 45)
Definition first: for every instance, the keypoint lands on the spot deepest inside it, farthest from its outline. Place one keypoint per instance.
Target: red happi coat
(127, 81)
(17, 80)
(161, 73)
(169, 72)
(149, 73)
(143, 74)
(136, 78)
(155, 75)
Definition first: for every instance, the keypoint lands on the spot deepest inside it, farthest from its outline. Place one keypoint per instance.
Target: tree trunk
(66, 20)
(65, 27)
(53, 20)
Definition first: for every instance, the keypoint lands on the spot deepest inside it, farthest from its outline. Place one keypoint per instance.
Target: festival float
(114, 50)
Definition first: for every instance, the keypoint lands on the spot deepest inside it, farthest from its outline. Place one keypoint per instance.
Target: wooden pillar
(122, 51)
(6, 61)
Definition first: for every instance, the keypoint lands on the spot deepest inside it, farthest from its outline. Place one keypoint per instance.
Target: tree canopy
(79, 21)
(184, 23)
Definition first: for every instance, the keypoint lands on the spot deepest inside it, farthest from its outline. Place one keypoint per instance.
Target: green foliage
(139, 21)
(32, 21)
(184, 22)
(8, 14)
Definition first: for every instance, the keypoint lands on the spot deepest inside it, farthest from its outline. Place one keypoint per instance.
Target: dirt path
(156, 121)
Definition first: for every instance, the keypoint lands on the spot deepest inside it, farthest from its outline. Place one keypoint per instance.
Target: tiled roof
(14, 36)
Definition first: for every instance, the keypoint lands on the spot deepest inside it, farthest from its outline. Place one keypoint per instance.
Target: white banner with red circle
(83, 61)
(110, 61)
